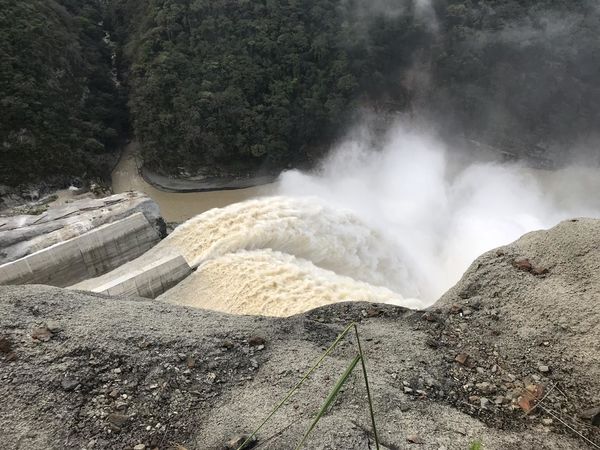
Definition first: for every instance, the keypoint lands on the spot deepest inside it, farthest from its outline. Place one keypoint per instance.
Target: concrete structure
(26, 234)
(88, 255)
(149, 281)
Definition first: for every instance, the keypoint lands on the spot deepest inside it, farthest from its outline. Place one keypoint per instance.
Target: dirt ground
(510, 358)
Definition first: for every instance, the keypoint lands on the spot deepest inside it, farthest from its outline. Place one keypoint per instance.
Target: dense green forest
(60, 109)
(240, 85)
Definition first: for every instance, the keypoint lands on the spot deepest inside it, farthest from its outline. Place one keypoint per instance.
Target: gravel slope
(88, 371)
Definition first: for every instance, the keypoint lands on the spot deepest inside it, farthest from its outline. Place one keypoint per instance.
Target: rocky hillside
(510, 357)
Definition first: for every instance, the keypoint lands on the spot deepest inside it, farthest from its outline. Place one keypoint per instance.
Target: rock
(484, 402)
(5, 345)
(255, 341)
(591, 414)
(117, 420)
(235, 442)
(407, 390)
(547, 421)
(53, 326)
(544, 369)
(190, 362)
(485, 387)
(462, 358)
(41, 334)
(68, 384)
(415, 439)
(139, 447)
(227, 344)
(523, 264)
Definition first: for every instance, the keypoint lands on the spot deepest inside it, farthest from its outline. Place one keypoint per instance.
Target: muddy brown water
(177, 207)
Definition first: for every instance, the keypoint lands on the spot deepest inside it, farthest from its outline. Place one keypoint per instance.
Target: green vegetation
(60, 109)
(519, 75)
(235, 85)
(238, 86)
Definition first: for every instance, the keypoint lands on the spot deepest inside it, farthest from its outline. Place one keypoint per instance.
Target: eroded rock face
(26, 234)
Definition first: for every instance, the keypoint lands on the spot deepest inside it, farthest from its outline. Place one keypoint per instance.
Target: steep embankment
(81, 370)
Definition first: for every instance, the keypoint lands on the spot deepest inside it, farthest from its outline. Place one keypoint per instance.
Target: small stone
(260, 347)
(114, 393)
(523, 264)
(41, 334)
(407, 390)
(254, 363)
(237, 441)
(53, 326)
(474, 399)
(467, 312)
(117, 370)
(455, 309)
(372, 312)
(415, 439)
(404, 407)
(5, 345)
(592, 414)
(68, 384)
(544, 369)
(461, 358)
(118, 420)
(485, 387)
(139, 447)
(190, 362)
(182, 356)
(255, 341)
(227, 344)
(484, 402)
(547, 421)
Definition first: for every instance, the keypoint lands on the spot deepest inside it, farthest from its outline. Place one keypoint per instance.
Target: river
(176, 207)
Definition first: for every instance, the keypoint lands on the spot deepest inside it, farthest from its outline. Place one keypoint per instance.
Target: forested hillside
(520, 75)
(234, 86)
(59, 106)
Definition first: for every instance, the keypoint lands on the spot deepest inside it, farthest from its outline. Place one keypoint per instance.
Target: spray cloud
(441, 214)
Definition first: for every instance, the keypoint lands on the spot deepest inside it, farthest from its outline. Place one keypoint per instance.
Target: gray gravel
(88, 371)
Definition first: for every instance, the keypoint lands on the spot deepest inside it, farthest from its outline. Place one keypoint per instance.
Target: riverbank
(178, 206)
(205, 184)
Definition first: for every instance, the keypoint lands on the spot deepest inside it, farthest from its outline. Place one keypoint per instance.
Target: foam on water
(272, 283)
(334, 240)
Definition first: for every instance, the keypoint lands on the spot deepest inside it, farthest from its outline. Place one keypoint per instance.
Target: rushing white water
(397, 224)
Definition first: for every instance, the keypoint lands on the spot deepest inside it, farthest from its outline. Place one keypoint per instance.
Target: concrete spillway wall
(149, 281)
(86, 256)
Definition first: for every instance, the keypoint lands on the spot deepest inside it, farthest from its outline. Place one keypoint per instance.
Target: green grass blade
(364, 368)
(330, 398)
(297, 386)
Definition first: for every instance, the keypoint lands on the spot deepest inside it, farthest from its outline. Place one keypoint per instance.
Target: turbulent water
(283, 255)
(398, 223)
